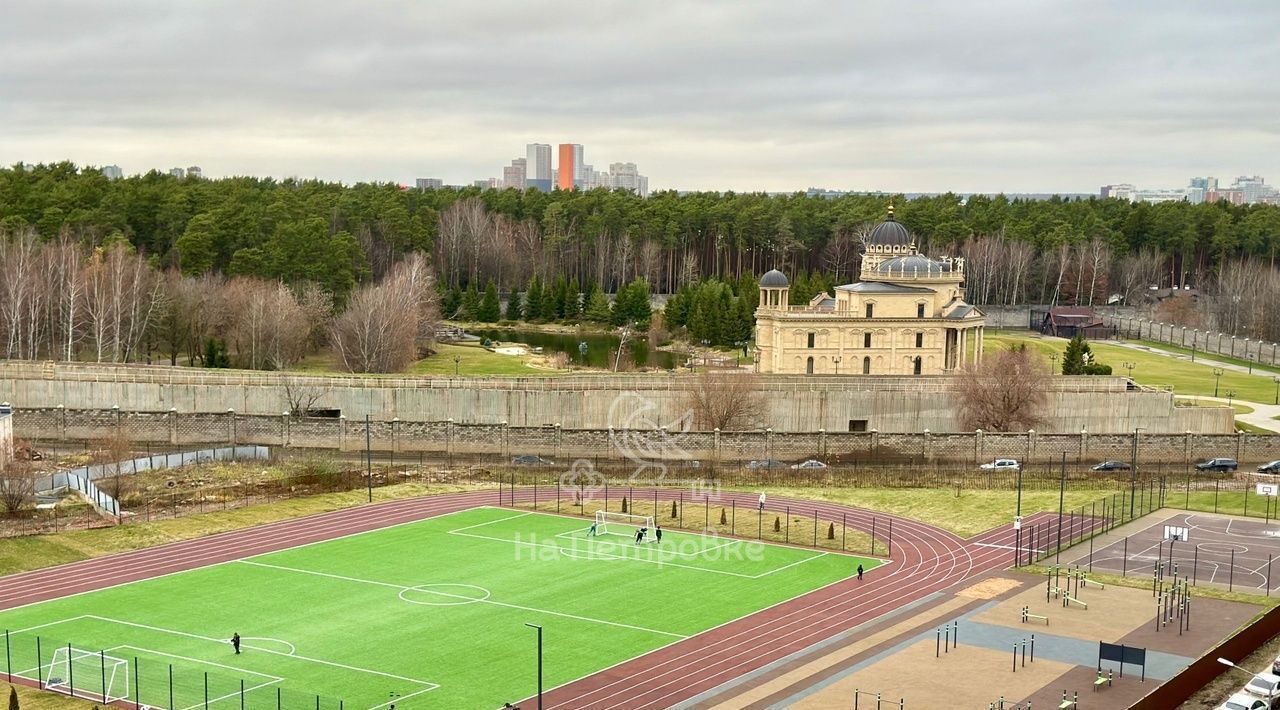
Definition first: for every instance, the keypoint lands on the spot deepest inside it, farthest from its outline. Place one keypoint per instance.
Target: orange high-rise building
(570, 165)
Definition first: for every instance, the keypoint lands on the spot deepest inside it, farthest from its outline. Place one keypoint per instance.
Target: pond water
(600, 347)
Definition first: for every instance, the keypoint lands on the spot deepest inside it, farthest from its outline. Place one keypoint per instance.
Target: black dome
(890, 233)
(774, 279)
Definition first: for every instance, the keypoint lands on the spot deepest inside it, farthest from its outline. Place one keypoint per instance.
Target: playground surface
(1226, 551)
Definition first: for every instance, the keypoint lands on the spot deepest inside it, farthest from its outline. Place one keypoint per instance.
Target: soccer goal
(88, 674)
(626, 524)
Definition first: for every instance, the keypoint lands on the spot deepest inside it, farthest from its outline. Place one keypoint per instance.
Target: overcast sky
(1013, 96)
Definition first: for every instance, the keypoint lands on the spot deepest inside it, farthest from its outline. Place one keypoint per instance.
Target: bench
(1026, 614)
(1103, 679)
(1071, 704)
(1067, 600)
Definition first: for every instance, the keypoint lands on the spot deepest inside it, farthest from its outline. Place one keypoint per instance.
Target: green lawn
(428, 613)
(474, 360)
(1186, 378)
(1267, 370)
(1193, 402)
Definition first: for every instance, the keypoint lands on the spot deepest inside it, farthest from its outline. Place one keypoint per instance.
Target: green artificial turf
(427, 614)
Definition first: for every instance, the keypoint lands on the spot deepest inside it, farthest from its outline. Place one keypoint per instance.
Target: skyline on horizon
(923, 97)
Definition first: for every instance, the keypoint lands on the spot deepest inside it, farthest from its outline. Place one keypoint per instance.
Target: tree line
(339, 236)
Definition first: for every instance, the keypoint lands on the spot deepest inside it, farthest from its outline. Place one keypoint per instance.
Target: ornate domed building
(905, 316)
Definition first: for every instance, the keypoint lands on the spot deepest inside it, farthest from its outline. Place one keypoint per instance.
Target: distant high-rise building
(177, 172)
(1205, 183)
(538, 161)
(1252, 188)
(513, 176)
(1196, 195)
(1122, 191)
(112, 172)
(570, 169)
(429, 183)
(195, 172)
(625, 176)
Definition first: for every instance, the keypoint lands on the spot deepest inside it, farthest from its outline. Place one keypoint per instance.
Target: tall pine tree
(490, 309)
(514, 312)
(533, 301)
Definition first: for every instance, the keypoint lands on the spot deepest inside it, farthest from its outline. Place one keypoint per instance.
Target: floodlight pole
(539, 628)
(368, 458)
(1133, 471)
(1062, 492)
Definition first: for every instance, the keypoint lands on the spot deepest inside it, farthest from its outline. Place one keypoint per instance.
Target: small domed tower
(775, 291)
(887, 240)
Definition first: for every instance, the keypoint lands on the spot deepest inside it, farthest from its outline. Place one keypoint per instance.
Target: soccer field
(426, 614)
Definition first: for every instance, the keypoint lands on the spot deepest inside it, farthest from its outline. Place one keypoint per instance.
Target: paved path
(1263, 415)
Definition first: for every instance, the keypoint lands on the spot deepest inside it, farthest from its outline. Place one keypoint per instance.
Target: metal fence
(140, 678)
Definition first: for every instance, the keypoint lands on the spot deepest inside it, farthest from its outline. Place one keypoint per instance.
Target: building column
(964, 345)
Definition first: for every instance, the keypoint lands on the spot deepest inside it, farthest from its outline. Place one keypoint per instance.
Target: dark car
(531, 460)
(766, 463)
(1112, 466)
(1270, 467)
(1217, 465)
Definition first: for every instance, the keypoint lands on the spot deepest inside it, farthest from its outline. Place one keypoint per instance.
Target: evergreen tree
(513, 306)
(489, 310)
(215, 353)
(451, 301)
(572, 300)
(1074, 359)
(553, 300)
(533, 301)
(676, 313)
(598, 307)
(470, 308)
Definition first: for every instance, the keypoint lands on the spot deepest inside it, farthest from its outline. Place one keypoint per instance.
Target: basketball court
(1231, 552)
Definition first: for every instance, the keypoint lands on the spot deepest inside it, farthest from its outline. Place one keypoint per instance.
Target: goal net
(621, 523)
(88, 674)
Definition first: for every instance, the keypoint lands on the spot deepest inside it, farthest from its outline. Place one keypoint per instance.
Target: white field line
(647, 545)
(631, 558)
(491, 522)
(195, 660)
(320, 661)
(51, 623)
(232, 694)
(793, 564)
(404, 588)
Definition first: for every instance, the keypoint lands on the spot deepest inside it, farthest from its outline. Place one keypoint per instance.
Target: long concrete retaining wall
(635, 443)
(1204, 341)
(795, 403)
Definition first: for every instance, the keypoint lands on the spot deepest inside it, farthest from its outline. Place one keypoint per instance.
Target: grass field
(1186, 377)
(430, 613)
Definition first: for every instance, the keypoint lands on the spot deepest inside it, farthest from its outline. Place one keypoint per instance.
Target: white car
(810, 464)
(1265, 686)
(1001, 465)
(1244, 701)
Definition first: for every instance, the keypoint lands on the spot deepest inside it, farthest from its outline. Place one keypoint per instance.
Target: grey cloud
(1010, 95)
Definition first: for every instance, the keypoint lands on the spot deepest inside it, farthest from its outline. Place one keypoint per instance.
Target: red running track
(924, 560)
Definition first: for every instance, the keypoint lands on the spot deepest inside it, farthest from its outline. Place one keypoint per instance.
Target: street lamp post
(836, 360)
(1277, 379)
(1217, 375)
(539, 628)
(1129, 366)
(457, 359)
(1230, 396)
(368, 458)
(1053, 358)
(1133, 471)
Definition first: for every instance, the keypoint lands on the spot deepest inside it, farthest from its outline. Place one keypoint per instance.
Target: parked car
(1217, 465)
(766, 463)
(531, 460)
(1244, 701)
(1265, 686)
(1112, 466)
(1001, 465)
(810, 464)
(1270, 467)
(1275, 666)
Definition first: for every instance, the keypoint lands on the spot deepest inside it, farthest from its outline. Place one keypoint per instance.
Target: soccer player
(657, 534)
(762, 502)
(592, 531)
(235, 642)
(640, 535)
(859, 571)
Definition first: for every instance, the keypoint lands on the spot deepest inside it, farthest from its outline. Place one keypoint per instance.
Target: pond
(600, 347)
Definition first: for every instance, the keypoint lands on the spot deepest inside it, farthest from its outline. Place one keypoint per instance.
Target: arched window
(808, 367)
(866, 366)
(917, 365)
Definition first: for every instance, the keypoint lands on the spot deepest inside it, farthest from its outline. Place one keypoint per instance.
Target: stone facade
(906, 316)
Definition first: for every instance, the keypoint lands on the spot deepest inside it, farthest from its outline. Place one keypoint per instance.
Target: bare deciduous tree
(725, 401)
(300, 397)
(111, 452)
(1007, 391)
(17, 486)
(385, 325)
